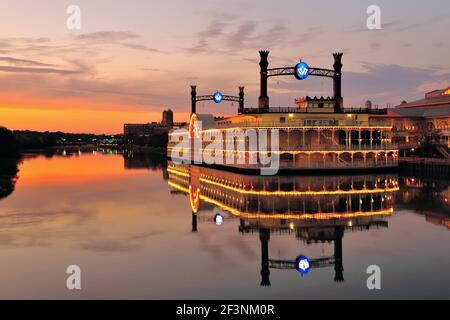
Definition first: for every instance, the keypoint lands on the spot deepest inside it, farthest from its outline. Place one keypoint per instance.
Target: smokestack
(338, 101)
(193, 99)
(241, 100)
(263, 102)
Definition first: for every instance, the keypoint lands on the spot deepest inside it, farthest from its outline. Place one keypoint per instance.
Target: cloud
(246, 36)
(44, 47)
(427, 22)
(200, 47)
(37, 70)
(242, 35)
(107, 36)
(214, 30)
(151, 69)
(390, 83)
(398, 26)
(116, 37)
(362, 27)
(140, 47)
(32, 66)
(24, 62)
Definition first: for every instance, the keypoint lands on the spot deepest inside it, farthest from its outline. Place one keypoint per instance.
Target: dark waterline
(128, 223)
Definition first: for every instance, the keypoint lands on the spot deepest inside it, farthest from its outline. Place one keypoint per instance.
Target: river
(136, 231)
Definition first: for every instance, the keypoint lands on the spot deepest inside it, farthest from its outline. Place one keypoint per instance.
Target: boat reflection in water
(313, 208)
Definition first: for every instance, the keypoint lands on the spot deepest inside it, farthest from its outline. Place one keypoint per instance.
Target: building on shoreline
(167, 118)
(318, 133)
(153, 128)
(412, 121)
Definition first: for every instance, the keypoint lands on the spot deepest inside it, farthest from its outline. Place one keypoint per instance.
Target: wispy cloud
(242, 36)
(107, 36)
(232, 38)
(214, 30)
(140, 47)
(37, 70)
(24, 62)
(117, 38)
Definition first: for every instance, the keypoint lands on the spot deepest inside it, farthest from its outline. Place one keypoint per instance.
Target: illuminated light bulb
(218, 219)
(303, 265)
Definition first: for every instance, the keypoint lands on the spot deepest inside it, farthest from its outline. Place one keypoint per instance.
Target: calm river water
(143, 228)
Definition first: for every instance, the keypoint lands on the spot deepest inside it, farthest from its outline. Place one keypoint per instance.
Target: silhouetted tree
(8, 175)
(427, 135)
(8, 144)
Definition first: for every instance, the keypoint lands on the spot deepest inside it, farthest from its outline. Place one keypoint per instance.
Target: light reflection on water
(136, 231)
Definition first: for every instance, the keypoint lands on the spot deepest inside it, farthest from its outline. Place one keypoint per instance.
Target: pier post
(264, 237)
(263, 101)
(337, 78)
(194, 222)
(338, 266)
(193, 99)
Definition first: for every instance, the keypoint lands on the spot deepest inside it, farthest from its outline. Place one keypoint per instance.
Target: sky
(130, 60)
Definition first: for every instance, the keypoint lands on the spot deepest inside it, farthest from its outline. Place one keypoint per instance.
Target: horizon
(128, 63)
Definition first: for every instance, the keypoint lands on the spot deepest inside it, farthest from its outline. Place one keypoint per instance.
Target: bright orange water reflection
(72, 169)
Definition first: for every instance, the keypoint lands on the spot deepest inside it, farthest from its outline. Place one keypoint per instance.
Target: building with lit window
(152, 128)
(412, 120)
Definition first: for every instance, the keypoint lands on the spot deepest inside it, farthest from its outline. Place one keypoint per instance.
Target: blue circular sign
(301, 71)
(302, 264)
(218, 219)
(218, 97)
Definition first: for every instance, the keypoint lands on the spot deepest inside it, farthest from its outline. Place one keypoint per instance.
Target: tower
(337, 78)
(167, 118)
(263, 101)
(193, 99)
(241, 100)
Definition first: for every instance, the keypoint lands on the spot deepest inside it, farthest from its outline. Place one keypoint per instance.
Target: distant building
(438, 93)
(144, 130)
(167, 118)
(148, 129)
(409, 118)
(368, 104)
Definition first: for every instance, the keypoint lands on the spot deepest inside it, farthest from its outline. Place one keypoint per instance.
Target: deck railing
(356, 164)
(300, 123)
(377, 147)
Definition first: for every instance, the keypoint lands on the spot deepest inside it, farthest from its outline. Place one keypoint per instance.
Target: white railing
(301, 123)
(356, 164)
(378, 147)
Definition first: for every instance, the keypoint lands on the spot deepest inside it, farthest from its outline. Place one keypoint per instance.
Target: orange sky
(72, 120)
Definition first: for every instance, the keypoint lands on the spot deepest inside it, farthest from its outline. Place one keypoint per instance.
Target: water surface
(136, 232)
